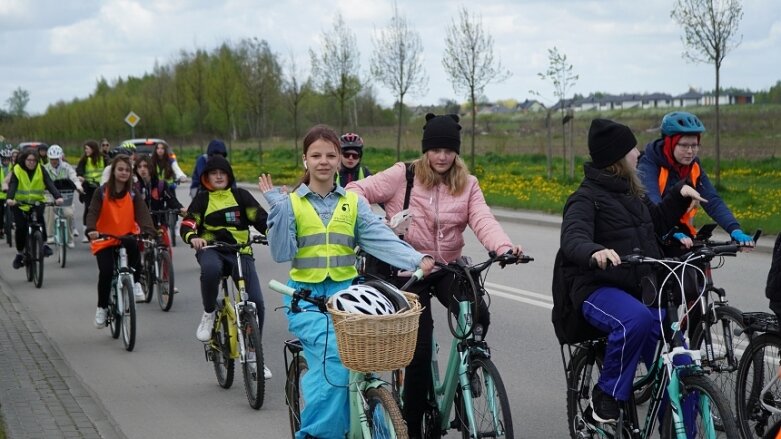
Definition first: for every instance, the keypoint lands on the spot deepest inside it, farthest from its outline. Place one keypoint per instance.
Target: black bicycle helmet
(396, 297)
(681, 122)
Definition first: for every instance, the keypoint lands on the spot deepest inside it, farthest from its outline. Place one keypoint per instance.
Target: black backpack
(773, 287)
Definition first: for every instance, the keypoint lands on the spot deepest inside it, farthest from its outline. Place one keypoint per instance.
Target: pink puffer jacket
(438, 218)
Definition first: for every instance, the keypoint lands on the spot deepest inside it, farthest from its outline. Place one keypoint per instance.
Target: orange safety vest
(117, 217)
(688, 217)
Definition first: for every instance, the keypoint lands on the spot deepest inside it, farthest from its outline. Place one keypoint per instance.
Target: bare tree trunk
(474, 122)
(398, 132)
(571, 149)
(563, 145)
(549, 125)
(718, 130)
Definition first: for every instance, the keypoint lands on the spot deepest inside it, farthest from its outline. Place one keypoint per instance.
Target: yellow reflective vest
(92, 173)
(325, 251)
(29, 191)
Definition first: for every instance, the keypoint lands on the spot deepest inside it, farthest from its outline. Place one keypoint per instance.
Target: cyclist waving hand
(318, 207)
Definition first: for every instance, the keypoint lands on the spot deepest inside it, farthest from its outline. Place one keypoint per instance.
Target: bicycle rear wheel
(252, 369)
(165, 281)
(758, 366)
(221, 354)
(490, 404)
(726, 347)
(293, 394)
(583, 373)
(37, 258)
(148, 275)
(383, 414)
(706, 411)
(128, 315)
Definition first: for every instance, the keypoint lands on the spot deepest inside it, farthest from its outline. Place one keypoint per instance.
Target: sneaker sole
(596, 417)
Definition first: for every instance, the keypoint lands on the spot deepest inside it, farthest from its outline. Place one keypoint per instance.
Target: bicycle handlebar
(503, 260)
(298, 295)
(257, 239)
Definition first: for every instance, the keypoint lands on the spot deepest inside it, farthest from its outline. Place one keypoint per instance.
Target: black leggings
(417, 377)
(89, 190)
(106, 259)
(20, 219)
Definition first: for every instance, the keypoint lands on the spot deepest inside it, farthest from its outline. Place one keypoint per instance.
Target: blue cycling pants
(326, 413)
(632, 329)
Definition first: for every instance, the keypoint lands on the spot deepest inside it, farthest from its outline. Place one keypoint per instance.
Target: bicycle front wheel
(293, 394)
(128, 315)
(254, 380)
(114, 313)
(165, 281)
(221, 353)
(37, 258)
(758, 366)
(62, 243)
(490, 405)
(383, 414)
(726, 347)
(148, 275)
(706, 411)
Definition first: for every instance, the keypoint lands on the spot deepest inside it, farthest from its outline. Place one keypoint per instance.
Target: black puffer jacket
(602, 214)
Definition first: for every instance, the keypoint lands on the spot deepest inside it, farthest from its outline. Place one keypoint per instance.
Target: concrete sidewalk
(40, 396)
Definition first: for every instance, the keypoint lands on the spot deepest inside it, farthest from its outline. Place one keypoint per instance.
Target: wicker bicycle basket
(377, 343)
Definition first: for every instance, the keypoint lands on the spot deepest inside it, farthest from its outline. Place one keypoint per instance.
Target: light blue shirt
(371, 233)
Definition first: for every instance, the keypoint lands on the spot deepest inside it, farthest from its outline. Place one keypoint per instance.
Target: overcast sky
(57, 50)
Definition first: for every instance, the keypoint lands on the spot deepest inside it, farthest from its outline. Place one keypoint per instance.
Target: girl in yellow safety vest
(27, 184)
(318, 207)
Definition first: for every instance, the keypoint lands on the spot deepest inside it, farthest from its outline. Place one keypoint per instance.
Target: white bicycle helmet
(54, 152)
(363, 299)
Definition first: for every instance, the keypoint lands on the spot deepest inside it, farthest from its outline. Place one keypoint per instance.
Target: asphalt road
(165, 388)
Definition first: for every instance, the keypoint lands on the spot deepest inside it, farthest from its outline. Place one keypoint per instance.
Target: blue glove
(740, 237)
(680, 236)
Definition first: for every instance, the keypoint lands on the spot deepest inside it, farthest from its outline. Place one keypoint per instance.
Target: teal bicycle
(373, 409)
(471, 383)
(693, 406)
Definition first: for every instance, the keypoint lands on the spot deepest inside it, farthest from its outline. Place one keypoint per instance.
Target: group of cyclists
(625, 202)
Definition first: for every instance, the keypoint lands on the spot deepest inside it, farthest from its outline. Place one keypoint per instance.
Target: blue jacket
(653, 160)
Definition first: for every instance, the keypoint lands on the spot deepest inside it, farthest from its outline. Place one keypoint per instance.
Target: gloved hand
(399, 223)
(683, 239)
(741, 238)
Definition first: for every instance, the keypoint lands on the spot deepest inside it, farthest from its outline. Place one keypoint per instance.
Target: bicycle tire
(252, 368)
(383, 414)
(128, 315)
(114, 315)
(62, 245)
(723, 420)
(37, 256)
(580, 383)
(642, 394)
(165, 283)
(759, 362)
(484, 376)
(224, 365)
(171, 220)
(294, 397)
(728, 319)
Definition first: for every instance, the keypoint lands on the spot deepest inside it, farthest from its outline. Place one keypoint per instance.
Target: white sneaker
(85, 239)
(50, 240)
(138, 293)
(266, 372)
(75, 233)
(100, 317)
(204, 332)
(71, 244)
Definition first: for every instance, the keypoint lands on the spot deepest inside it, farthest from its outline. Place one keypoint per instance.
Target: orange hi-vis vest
(117, 217)
(688, 217)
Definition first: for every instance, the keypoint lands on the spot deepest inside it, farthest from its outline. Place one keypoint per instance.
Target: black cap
(609, 142)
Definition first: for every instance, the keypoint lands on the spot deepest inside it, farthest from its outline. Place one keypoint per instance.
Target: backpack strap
(410, 181)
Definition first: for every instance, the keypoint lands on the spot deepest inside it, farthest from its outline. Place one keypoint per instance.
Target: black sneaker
(47, 251)
(604, 406)
(18, 261)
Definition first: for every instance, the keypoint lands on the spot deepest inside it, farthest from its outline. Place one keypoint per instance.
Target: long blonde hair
(455, 178)
(623, 169)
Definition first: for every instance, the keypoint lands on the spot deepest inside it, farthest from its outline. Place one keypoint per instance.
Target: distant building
(529, 106)
(606, 102)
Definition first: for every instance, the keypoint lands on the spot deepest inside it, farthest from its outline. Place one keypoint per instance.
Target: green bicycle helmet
(681, 122)
(130, 146)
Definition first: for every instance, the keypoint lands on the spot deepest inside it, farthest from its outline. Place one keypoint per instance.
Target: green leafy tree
(262, 77)
(17, 103)
(560, 73)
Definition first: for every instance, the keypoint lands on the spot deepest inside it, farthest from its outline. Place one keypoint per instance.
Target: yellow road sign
(132, 119)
